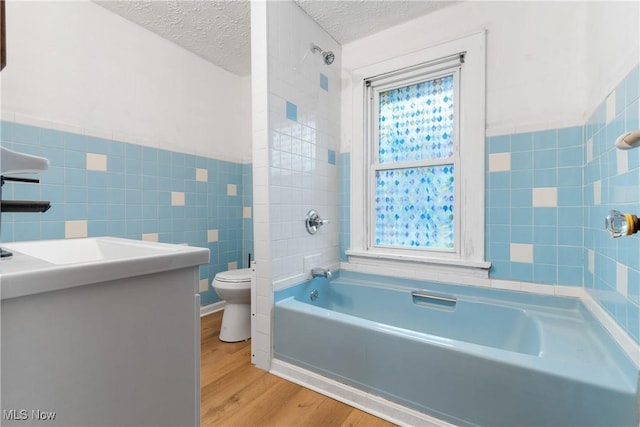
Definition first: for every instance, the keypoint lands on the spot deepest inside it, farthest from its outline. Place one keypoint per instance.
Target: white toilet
(234, 286)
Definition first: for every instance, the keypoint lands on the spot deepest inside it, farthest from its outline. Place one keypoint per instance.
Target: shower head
(328, 56)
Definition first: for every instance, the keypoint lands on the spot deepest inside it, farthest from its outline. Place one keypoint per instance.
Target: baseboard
(211, 308)
(382, 408)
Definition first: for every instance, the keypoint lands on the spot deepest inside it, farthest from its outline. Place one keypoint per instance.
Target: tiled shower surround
(103, 187)
(547, 194)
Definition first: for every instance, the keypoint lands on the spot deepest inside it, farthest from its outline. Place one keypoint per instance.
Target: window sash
(383, 83)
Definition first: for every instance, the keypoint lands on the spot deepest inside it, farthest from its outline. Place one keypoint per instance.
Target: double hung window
(418, 164)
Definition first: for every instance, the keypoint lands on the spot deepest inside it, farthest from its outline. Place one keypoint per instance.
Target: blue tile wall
(133, 196)
(549, 159)
(564, 231)
(617, 174)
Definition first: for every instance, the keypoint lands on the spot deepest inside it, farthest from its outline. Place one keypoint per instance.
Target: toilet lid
(234, 276)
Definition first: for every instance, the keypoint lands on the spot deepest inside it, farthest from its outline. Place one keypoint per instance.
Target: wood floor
(235, 393)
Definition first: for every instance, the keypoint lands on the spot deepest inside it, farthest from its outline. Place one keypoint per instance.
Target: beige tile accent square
(204, 285)
(499, 162)
(97, 162)
(545, 197)
(232, 190)
(177, 198)
(75, 229)
(202, 175)
(621, 279)
(150, 237)
(212, 236)
(521, 252)
(597, 192)
(246, 212)
(622, 161)
(590, 150)
(591, 260)
(232, 265)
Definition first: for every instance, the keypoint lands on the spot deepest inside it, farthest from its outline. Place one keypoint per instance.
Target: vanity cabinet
(122, 352)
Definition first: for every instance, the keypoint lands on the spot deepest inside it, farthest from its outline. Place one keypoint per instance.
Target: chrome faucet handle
(321, 272)
(313, 221)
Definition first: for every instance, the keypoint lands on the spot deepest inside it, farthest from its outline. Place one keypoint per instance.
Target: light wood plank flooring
(235, 393)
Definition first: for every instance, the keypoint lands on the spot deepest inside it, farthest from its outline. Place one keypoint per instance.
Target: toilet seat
(234, 276)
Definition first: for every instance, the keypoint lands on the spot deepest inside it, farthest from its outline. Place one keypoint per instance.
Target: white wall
(535, 59)
(292, 173)
(613, 40)
(78, 64)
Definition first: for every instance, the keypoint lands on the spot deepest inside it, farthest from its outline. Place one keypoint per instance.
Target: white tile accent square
(499, 162)
(545, 197)
(212, 236)
(621, 279)
(521, 252)
(204, 285)
(97, 162)
(610, 106)
(591, 260)
(75, 229)
(246, 212)
(622, 161)
(150, 237)
(233, 265)
(232, 190)
(202, 175)
(590, 150)
(177, 198)
(597, 192)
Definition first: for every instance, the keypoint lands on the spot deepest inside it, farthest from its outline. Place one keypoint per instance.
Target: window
(418, 161)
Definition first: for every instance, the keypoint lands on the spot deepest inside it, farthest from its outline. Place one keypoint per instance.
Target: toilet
(234, 286)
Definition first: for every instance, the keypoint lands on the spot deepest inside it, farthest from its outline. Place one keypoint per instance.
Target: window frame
(372, 138)
(468, 253)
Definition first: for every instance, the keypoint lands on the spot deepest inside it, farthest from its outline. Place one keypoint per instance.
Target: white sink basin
(49, 265)
(76, 251)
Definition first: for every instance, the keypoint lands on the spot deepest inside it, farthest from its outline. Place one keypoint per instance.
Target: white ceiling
(219, 30)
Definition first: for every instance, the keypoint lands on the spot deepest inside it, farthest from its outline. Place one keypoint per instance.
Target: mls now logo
(23, 414)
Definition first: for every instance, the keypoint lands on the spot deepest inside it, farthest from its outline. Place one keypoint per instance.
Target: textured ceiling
(219, 31)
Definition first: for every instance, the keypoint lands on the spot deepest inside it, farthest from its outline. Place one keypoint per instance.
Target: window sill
(416, 266)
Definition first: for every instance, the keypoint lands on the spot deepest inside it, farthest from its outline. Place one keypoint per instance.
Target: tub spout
(321, 272)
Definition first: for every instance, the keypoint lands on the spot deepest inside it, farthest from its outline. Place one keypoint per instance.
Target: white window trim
(469, 255)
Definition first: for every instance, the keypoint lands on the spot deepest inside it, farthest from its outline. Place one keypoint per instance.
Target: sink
(49, 265)
(76, 251)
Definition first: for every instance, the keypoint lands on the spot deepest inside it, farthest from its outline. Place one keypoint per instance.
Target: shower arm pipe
(628, 140)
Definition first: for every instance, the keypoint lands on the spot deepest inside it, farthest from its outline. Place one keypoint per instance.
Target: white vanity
(100, 331)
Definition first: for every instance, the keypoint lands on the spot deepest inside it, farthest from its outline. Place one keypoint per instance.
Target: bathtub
(467, 355)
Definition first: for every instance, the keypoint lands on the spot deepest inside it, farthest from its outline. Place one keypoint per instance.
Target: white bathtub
(482, 358)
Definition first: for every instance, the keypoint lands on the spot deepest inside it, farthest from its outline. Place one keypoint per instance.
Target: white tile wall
(301, 177)
(291, 174)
